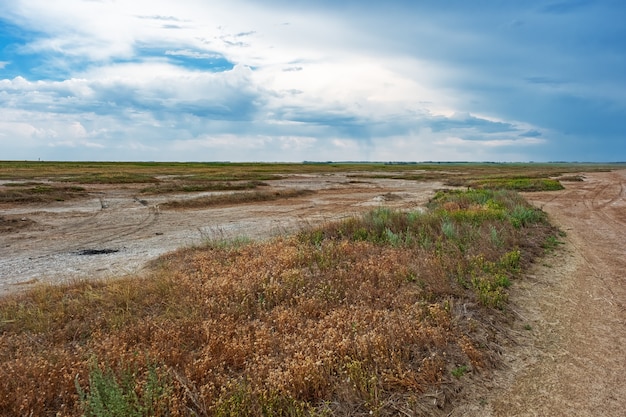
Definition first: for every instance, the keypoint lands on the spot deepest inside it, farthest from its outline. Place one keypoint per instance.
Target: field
(254, 289)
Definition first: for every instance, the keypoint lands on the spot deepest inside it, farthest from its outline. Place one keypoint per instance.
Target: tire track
(57, 253)
(100, 229)
(602, 191)
(111, 233)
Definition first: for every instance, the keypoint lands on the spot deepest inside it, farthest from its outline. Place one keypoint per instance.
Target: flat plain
(557, 345)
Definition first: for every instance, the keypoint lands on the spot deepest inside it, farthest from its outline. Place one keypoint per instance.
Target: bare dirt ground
(567, 355)
(117, 231)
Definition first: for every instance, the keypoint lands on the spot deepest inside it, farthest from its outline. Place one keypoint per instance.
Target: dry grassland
(391, 313)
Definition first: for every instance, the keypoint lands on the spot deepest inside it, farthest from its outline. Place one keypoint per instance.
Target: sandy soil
(571, 360)
(69, 240)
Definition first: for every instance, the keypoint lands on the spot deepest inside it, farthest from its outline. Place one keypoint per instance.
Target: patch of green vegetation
(110, 396)
(457, 222)
(480, 205)
(522, 216)
(551, 243)
(465, 198)
(459, 371)
(518, 184)
(490, 279)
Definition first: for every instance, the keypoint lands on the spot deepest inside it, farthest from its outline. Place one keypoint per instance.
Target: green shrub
(510, 261)
(491, 290)
(108, 397)
(448, 229)
(459, 371)
(522, 216)
(494, 237)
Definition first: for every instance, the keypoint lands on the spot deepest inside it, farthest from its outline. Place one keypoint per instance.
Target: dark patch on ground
(86, 252)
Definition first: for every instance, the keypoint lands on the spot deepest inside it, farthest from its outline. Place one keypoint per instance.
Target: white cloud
(228, 142)
(192, 54)
(68, 143)
(330, 84)
(344, 144)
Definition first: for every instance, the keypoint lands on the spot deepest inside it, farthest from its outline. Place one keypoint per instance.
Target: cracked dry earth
(568, 350)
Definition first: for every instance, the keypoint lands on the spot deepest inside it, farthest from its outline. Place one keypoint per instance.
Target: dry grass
(40, 194)
(191, 186)
(100, 171)
(371, 316)
(234, 198)
(203, 171)
(199, 177)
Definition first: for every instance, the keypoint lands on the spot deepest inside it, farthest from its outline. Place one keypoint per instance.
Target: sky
(324, 80)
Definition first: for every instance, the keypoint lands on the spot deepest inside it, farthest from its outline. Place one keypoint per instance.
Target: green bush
(109, 397)
(522, 216)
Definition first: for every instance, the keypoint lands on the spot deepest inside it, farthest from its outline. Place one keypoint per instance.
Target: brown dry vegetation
(40, 194)
(234, 198)
(386, 314)
(192, 185)
(141, 172)
(167, 178)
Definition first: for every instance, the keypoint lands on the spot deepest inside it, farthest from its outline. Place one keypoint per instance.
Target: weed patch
(108, 395)
(551, 243)
(519, 184)
(459, 371)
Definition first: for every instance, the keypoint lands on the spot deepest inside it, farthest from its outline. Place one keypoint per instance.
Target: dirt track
(572, 360)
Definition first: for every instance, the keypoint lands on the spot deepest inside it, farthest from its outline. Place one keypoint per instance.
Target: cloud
(325, 80)
(160, 87)
(193, 54)
(465, 121)
(162, 18)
